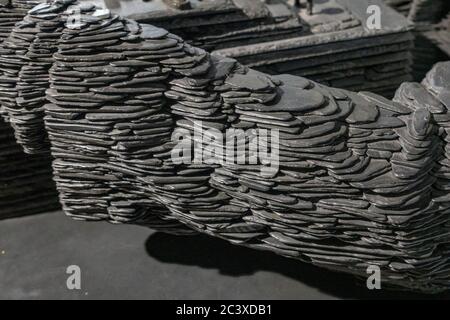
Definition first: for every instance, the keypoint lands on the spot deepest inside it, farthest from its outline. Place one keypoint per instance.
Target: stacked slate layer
(26, 186)
(427, 50)
(425, 14)
(361, 180)
(333, 46)
(11, 12)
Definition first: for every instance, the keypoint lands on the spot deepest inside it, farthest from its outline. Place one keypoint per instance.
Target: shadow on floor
(231, 260)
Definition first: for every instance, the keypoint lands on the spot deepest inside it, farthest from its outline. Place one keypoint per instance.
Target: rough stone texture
(275, 38)
(362, 180)
(428, 11)
(26, 186)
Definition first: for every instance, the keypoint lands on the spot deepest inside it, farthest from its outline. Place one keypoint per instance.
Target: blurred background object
(432, 32)
(26, 185)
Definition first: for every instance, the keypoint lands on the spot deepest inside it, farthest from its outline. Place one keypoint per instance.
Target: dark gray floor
(128, 262)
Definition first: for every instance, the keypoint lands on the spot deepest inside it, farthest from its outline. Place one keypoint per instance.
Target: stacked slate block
(26, 186)
(333, 46)
(439, 36)
(402, 6)
(361, 180)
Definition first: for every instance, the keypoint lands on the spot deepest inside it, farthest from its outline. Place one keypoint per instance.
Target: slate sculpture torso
(361, 180)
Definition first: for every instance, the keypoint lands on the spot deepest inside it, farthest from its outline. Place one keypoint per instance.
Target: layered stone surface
(361, 180)
(276, 37)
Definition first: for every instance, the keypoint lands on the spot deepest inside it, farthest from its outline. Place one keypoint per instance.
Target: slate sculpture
(361, 180)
